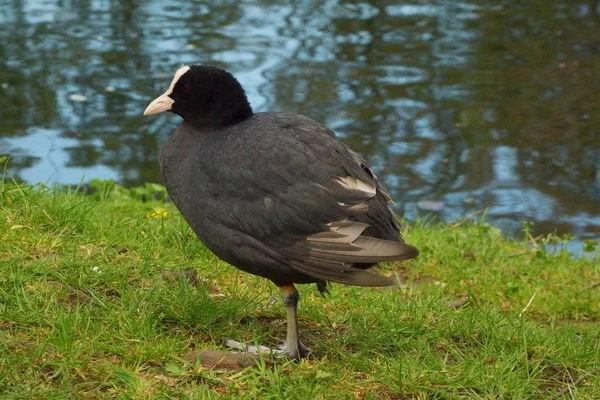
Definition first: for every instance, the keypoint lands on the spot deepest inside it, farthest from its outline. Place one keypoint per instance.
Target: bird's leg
(292, 347)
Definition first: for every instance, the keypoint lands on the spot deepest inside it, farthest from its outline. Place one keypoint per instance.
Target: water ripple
(463, 104)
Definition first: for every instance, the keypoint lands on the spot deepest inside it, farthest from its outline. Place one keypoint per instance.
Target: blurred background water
(460, 105)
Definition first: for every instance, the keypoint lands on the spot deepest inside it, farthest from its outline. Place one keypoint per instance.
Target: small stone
(187, 274)
(4, 85)
(461, 301)
(77, 297)
(78, 97)
(110, 88)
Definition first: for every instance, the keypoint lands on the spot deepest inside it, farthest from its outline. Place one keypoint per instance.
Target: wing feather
(316, 206)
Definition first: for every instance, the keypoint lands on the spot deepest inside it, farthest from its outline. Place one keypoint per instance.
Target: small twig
(579, 380)
(520, 254)
(534, 240)
(465, 219)
(593, 285)
(528, 304)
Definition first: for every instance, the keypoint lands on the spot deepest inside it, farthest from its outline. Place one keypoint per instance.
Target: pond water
(459, 105)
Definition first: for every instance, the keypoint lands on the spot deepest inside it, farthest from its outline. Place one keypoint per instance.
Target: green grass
(88, 311)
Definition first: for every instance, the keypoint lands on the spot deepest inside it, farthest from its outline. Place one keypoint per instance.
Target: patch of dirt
(462, 300)
(554, 375)
(468, 255)
(42, 252)
(75, 296)
(169, 381)
(189, 275)
(264, 320)
(30, 349)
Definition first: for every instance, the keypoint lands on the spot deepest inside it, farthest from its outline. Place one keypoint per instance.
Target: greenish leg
(292, 347)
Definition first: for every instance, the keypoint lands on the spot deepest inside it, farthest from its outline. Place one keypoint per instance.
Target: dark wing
(312, 203)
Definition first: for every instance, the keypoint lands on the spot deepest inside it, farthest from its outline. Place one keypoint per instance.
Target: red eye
(187, 88)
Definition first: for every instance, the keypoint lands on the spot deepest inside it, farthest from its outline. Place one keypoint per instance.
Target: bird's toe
(294, 352)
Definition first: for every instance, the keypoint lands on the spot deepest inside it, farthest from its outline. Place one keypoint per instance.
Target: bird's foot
(247, 348)
(285, 350)
(294, 352)
(323, 289)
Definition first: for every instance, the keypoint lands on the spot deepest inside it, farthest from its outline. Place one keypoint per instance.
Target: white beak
(160, 104)
(164, 102)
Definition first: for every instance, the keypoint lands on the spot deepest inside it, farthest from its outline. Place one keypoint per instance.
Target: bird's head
(203, 96)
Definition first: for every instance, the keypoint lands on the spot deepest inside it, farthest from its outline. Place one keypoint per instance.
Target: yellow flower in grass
(158, 213)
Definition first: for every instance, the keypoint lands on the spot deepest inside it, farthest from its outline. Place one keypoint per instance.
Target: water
(460, 106)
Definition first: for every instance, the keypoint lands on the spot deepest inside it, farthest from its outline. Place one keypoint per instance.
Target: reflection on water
(459, 105)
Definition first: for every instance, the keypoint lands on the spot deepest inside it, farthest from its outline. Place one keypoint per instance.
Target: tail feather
(332, 254)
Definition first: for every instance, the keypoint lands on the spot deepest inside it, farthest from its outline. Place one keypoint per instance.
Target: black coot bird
(274, 194)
